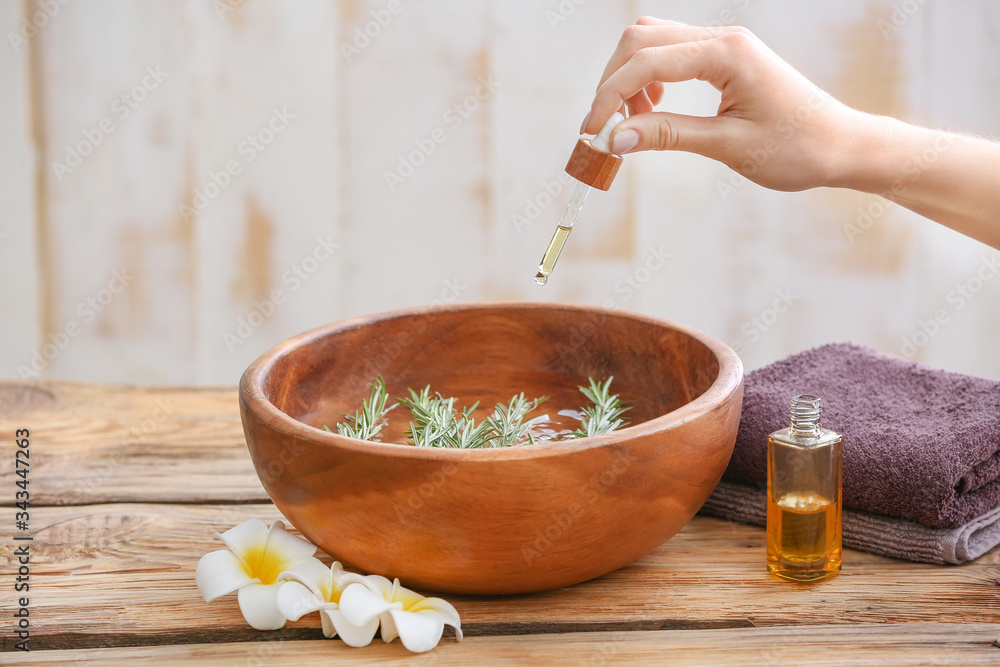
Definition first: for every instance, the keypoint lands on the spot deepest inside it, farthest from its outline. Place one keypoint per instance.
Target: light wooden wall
(449, 231)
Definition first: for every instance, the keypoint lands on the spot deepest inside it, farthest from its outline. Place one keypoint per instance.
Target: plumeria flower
(418, 621)
(252, 565)
(313, 586)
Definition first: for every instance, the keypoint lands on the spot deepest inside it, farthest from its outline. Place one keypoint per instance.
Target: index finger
(706, 60)
(662, 33)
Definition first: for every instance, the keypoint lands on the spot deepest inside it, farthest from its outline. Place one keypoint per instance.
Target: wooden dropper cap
(592, 162)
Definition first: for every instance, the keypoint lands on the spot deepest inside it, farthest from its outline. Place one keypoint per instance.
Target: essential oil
(552, 254)
(593, 165)
(804, 505)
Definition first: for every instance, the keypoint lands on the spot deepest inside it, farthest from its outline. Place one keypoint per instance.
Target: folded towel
(919, 443)
(876, 534)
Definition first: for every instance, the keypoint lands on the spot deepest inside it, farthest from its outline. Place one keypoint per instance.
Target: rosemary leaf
(507, 421)
(366, 423)
(603, 415)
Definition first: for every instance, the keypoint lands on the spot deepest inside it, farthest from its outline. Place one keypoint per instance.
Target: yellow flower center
(331, 593)
(264, 565)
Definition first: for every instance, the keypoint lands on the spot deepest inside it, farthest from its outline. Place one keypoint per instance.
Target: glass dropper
(569, 216)
(592, 164)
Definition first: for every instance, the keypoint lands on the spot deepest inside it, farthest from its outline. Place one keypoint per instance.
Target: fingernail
(586, 122)
(624, 141)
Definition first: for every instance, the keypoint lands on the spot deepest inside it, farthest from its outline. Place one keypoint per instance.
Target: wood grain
(818, 646)
(135, 563)
(119, 572)
(588, 164)
(110, 443)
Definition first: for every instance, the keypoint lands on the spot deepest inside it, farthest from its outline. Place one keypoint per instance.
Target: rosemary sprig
(603, 415)
(507, 421)
(436, 422)
(369, 420)
(434, 418)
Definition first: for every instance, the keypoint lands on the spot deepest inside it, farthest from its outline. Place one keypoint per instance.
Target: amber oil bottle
(804, 496)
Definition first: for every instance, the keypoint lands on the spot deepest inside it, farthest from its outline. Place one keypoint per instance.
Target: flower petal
(220, 572)
(312, 573)
(245, 537)
(445, 609)
(282, 544)
(419, 631)
(343, 579)
(352, 635)
(259, 605)
(360, 604)
(329, 631)
(295, 600)
(388, 628)
(404, 595)
(379, 584)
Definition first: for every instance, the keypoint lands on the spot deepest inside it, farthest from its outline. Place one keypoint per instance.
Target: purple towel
(920, 443)
(876, 534)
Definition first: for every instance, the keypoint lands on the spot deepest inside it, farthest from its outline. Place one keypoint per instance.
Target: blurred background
(186, 183)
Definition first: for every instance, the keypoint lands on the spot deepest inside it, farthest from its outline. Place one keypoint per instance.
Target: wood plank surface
(113, 561)
(111, 443)
(917, 644)
(135, 563)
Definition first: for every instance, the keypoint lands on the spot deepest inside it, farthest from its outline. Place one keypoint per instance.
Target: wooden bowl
(504, 520)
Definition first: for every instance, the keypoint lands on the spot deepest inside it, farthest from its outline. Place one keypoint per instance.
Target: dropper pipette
(592, 164)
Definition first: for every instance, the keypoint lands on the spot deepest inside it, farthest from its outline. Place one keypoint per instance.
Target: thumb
(659, 131)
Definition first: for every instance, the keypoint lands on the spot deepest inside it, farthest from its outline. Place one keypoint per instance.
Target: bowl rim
(253, 398)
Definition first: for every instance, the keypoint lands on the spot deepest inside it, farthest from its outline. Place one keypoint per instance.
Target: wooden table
(128, 486)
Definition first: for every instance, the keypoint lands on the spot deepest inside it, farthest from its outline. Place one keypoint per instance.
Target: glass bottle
(804, 496)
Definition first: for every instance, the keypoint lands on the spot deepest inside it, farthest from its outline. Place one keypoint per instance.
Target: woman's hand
(781, 131)
(773, 126)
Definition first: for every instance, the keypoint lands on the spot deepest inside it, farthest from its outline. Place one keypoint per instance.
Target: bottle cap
(592, 161)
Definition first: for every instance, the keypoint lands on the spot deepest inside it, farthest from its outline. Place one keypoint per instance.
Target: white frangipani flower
(313, 586)
(253, 564)
(418, 621)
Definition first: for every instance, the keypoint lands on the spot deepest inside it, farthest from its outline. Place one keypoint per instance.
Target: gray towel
(882, 535)
(920, 443)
